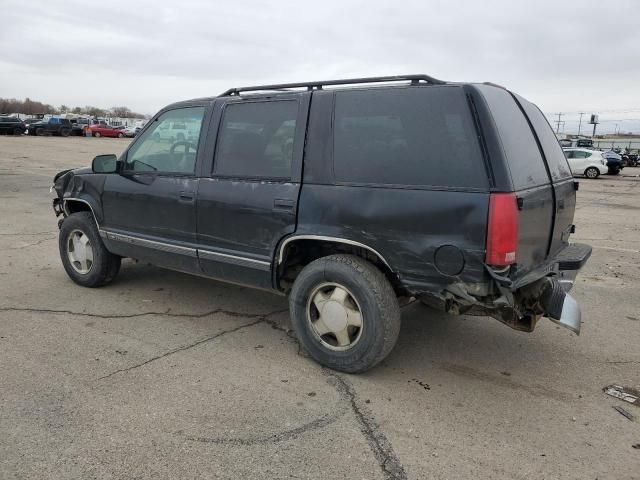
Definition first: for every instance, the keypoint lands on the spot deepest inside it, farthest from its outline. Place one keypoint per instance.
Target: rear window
(407, 136)
(556, 161)
(520, 147)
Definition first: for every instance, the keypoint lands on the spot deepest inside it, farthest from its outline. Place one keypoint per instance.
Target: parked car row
(64, 127)
(593, 163)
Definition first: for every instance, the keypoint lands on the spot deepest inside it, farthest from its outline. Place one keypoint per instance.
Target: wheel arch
(75, 204)
(298, 250)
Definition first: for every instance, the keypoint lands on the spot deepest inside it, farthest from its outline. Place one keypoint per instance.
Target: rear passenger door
(247, 201)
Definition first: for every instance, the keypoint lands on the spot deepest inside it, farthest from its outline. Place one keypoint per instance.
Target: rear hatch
(540, 177)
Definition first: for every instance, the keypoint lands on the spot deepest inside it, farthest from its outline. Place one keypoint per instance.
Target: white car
(583, 161)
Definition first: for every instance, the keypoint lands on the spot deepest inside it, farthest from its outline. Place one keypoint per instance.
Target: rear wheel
(65, 132)
(84, 257)
(345, 313)
(120, 135)
(591, 172)
(17, 131)
(613, 171)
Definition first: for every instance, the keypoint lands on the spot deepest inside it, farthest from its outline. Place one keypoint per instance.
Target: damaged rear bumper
(521, 301)
(548, 296)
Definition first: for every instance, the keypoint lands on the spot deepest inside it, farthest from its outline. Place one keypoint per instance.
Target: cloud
(566, 56)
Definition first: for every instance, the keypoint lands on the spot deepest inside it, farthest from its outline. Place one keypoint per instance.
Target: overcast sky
(566, 56)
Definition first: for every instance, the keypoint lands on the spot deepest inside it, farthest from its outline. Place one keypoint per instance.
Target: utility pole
(580, 122)
(558, 122)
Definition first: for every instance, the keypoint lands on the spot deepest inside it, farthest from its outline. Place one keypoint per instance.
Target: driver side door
(149, 206)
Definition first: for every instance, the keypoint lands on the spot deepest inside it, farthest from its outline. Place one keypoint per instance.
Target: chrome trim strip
(143, 242)
(66, 210)
(234, 259)
(329, 239)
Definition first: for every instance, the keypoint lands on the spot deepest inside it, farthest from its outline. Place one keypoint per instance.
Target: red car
(99, 130)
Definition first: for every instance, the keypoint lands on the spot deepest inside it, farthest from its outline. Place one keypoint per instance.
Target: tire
(97, 134)
(104, 266)
(39, 132)
(613, 171)
(364, 289)
(17, 131)
(65, 132)
(120, 135)
(592, 172)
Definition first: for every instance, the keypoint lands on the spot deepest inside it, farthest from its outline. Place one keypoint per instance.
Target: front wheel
(97, 134)
(120, 135)
(84, 257)
(17, 131)
(613, 171)
(39, 132)
(591, 172)
(65, 132)
(345, 313)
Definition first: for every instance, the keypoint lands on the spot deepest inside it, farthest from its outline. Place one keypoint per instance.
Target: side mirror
(105, 164)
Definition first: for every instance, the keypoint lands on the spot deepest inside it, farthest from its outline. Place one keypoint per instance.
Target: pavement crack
(32, 244)
(166, 313)
(24, 234)
(316, 424)
(392, 468)
(182, 348)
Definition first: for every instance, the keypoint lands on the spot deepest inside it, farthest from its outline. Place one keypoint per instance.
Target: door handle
(186, 196)
(284, 204)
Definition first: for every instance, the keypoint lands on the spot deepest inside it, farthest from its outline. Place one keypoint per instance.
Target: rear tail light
(502, 231)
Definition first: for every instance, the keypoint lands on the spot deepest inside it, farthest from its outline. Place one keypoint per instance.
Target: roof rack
(415, 80)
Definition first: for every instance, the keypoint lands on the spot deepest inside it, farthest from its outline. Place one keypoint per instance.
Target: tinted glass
(520, 147)
(557, 163)
(256, 139)
(407, 136)
(161, 149)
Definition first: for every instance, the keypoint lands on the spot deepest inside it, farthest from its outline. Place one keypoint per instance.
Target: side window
(256, 139)
(569, 154)
(160, 149)
(407, 136)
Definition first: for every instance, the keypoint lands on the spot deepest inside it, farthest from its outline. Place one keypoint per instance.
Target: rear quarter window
(558, 166)
(415, 136)
(518, 142)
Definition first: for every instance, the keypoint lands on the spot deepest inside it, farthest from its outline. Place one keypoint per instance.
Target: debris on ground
(622, 411)
(623, 393)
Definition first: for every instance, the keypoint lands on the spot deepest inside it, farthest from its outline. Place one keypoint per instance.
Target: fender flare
(96, 211)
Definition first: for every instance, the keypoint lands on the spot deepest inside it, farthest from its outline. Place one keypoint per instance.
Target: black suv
(51, 126)
(12, 125)
(347, 199)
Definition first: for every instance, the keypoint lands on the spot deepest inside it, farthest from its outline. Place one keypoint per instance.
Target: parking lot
(164, 375)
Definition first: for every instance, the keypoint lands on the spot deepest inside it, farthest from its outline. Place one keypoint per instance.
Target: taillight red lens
(502, 231)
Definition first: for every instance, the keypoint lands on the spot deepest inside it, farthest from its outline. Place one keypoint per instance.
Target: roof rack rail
(415, 79)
